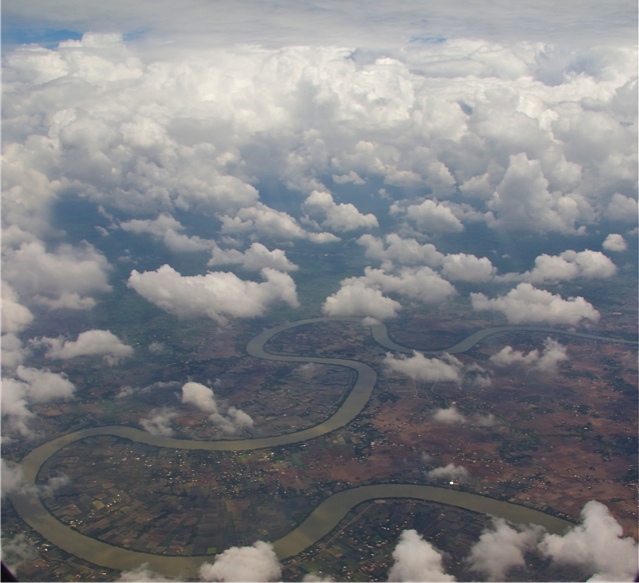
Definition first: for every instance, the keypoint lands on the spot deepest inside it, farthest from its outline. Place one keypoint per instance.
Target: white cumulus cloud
(15, 316)
(392, 248)
(500, 548)
(598, 544)
(62, 279)
(203, 398)
(216, 295)
(28, 387)
(420, 368)
(467, 267)
(264, 221)
(449, 415)
(569, 265)
(255, 563)
(158, 421)
(417, 283)
(527, 304)
(431, 217)
(417, 560)
(168, 230)
(615, 242)
(339, 217)
(545, 362)
(199, 396)
(255, 258)
(90, 343)
(12, 477)
(622, 208)
(356, 299)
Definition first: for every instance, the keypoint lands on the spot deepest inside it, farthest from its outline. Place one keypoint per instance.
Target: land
(554, 442)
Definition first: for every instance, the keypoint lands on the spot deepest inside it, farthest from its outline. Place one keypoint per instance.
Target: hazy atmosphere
(259, 257)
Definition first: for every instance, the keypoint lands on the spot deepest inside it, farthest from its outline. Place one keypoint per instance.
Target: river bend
(324, 517)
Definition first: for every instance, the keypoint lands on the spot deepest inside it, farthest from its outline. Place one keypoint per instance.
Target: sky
(460, 149)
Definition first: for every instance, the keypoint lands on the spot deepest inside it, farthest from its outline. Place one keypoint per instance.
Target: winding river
(324, 517)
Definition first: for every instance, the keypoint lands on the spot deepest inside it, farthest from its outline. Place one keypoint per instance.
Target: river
(323, 518)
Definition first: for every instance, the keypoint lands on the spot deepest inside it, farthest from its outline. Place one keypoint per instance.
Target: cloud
(527, 304)
(142, 573)
(622, 208)
(128, 390)
(17, 550)
(597, 544)
(239, 418)
(168, 230)
(15, 317)
(450, 415)
(255, 563)
(339, 217)
(158, 421)
(417, 560)
(256, 257)
(525, 201)
(30, 386)
(203, 398)
(199, 396)
(262, 220)
(60, 279)
(43, 386)
(15, 408)
(500, 548)
(570, 265)
(392, 248)
(12, 477)
(614, 242)
(235, 420)
(448, 472)
(430, 217)
(356, 299)
(13, 351)
(419, 283)
(352, 177)
(90, 343)
(546, 362)
(53, 484)
(420, 368)
(322, 238)
(216, 295)
(303, 112)
(466, 267)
